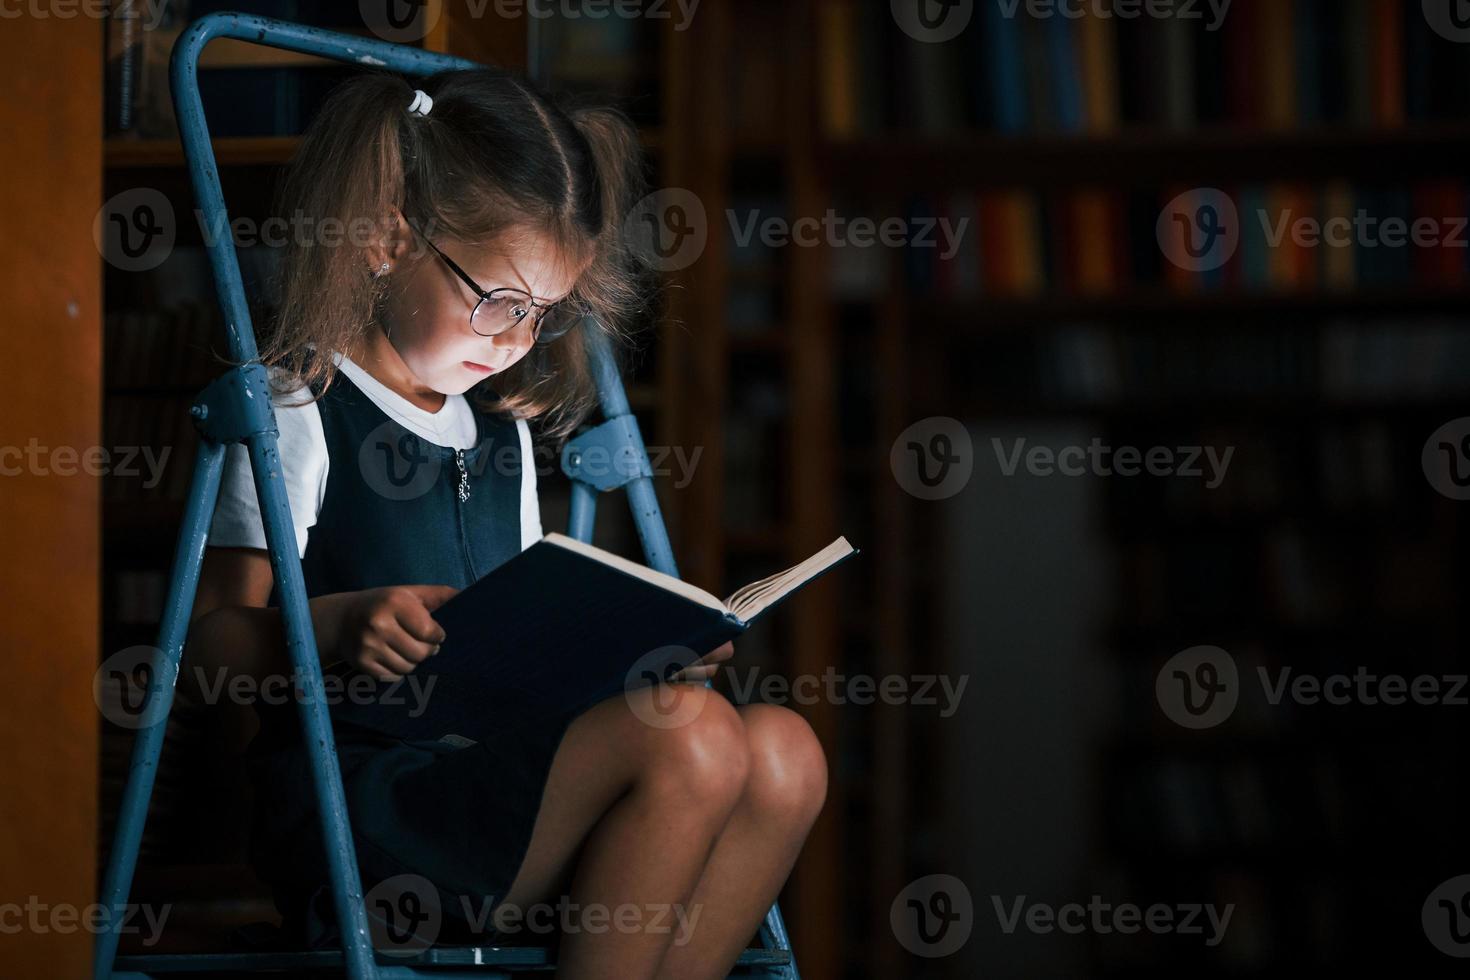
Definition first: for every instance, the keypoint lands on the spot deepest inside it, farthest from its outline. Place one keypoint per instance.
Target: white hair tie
(421, 103)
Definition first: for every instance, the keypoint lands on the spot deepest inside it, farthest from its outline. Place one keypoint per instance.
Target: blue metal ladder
(236, 407)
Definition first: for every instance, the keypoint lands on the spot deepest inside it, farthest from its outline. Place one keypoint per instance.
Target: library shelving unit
(1327, 550)
(750, 377)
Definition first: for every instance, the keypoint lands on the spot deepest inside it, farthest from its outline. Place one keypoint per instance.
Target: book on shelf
(1269, 64)
(1294, 237)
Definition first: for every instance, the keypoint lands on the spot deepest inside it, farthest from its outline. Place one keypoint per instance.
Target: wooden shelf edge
(126, 153)
(1145, 156)
(122, 152)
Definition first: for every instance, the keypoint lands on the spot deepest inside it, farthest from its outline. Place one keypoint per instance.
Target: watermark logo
(404, 914)
(933, 916)
(932, 21)
(1199, 230)
(399, 21)
(127, 686)
(397, 464)
(664, 705)
(933, 458)
(1450, 19)
(135, 230)
(1446, 917)
(1446, 459)
(1199, 687)
(668, 229)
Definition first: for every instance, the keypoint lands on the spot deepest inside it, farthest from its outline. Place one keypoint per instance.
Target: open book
(746, 602)
(559, 627)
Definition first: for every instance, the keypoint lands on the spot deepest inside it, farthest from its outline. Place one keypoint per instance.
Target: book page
(747, 601)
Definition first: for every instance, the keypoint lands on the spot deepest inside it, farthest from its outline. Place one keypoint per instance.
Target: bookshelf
(1328, 551)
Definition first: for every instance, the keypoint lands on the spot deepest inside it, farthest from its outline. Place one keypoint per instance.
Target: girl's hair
(494, 158)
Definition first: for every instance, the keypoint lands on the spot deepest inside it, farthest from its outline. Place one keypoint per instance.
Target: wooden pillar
(50, 415)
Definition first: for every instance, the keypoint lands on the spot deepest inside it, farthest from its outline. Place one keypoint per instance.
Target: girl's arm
(383, 632)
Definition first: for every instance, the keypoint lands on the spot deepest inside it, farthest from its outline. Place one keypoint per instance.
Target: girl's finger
(415, 620)
(408, 648)
(720, 653)
(383, 654)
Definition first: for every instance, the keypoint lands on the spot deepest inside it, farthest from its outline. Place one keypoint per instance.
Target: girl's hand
(704, 668)
(388, 632)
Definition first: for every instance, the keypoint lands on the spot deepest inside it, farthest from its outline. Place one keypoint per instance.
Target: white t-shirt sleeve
(302, 446)
(530, 503)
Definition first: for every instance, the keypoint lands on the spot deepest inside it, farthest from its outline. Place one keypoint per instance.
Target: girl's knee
(697, 748)
(788, 768)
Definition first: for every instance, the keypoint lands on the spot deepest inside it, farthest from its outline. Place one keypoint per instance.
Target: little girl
(408, 364)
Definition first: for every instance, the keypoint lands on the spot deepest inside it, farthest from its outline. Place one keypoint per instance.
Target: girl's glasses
(502, 309)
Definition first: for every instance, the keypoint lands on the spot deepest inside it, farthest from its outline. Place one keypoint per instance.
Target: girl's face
(426, 315)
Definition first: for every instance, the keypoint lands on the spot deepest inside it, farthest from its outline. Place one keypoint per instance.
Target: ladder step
(519, 957)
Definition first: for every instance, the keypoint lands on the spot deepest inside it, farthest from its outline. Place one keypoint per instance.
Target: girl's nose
(516, 337)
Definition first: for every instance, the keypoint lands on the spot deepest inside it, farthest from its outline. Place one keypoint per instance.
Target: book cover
(838, 40)
(560, 626)
(1176, 42)
(1098, 42)
(1007, 71)
(1278, 99)
(1066, 74)
(1387, 41)
(1096, 242)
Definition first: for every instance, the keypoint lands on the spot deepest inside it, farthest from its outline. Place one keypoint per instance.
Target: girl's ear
(394, 242)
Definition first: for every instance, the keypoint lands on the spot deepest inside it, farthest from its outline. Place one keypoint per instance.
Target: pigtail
(340, 188)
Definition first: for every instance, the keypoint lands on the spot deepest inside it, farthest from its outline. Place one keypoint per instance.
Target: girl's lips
(480, 368)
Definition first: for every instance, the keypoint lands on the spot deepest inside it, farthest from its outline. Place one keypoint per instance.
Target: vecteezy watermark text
(35, 459)
(1102, 917)
(39, 917)
(1213, 12)
(1200, 687)
(1097, 459)
(835, 687)
(406, 915)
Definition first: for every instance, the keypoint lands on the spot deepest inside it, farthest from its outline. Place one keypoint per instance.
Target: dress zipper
(464, 476)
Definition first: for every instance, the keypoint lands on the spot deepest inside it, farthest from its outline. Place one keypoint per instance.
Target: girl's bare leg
(629, 816)
(754, 854)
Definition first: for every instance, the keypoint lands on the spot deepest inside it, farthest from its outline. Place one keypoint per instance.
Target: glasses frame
(489, 294)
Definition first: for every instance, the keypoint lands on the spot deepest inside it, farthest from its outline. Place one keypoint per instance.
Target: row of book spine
(263, 99)
(1343, 360)
(1348, 469)
(1091, 67)
(151, 441)
(171, 349)
(1092, 242)
(1278, 578)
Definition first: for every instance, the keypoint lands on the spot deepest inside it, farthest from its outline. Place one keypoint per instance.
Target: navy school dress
(398, 511)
